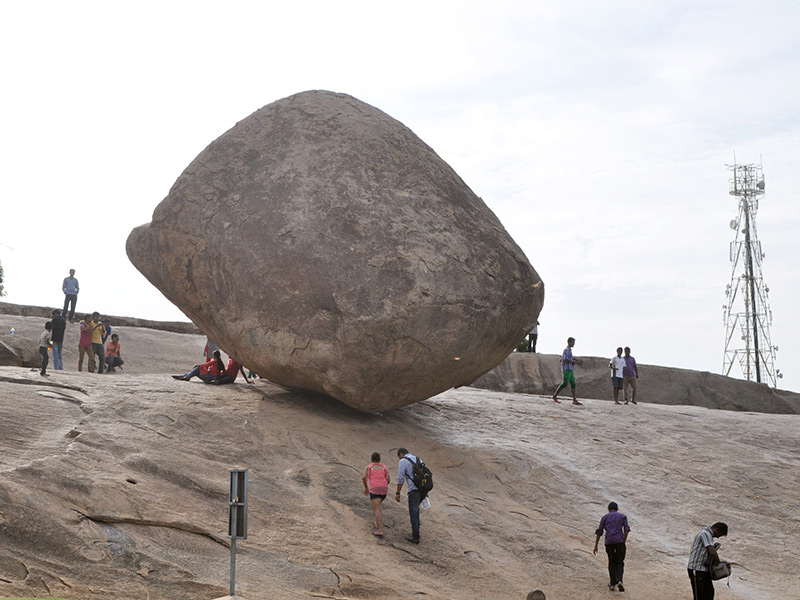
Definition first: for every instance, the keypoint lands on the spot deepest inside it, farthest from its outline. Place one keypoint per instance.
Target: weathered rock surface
(325, 246)
(115, 488)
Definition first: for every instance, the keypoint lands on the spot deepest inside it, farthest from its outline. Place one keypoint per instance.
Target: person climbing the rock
(376, 485)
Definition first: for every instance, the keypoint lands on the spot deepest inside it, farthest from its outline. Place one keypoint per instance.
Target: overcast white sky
(598, 132)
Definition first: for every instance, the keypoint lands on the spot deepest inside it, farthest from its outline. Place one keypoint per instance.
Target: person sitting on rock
(207, 372)
(231, 371)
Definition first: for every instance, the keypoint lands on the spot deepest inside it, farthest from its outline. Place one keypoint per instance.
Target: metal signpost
(237, 517)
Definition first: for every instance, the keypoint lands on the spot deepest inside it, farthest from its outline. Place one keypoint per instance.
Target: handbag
(720, 570)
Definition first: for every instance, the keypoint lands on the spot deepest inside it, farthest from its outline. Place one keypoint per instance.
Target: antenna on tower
(747, 313)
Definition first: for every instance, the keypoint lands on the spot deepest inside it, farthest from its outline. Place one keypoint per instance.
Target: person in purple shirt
(616, 527)
(629, 376)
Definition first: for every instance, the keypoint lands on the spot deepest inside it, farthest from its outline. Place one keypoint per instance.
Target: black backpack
(422, 476)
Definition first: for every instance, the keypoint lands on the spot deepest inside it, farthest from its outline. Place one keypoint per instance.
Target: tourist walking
(615, 526)
(568, 363)
(405, 474)
(376, 485)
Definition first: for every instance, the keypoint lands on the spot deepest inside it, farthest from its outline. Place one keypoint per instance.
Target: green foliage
(523, 345)
(2, 290)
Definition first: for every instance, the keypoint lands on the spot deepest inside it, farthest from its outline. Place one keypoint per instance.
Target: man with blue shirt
(405, 473)
(615, 524)
(568, 372)
(70, 288)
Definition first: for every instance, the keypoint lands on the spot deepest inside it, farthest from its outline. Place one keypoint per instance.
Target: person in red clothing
(207, 372)
(113, 359)
(376, 485)
(85, 345)
(231, 371)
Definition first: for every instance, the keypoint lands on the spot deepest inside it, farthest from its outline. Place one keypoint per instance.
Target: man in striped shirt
(702, 555)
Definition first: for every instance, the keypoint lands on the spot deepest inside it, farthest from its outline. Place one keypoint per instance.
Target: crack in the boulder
(185, 527)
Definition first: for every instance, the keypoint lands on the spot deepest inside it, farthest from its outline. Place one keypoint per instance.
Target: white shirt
(618, 363)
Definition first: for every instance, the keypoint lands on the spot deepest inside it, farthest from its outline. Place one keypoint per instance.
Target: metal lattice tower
(747, 313)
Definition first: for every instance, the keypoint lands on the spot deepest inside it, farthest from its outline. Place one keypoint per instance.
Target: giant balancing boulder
(322, 244)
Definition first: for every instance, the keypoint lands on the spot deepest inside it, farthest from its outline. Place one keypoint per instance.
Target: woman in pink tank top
(376, 485)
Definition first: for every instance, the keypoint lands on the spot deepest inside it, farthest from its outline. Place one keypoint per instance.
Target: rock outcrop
(532, 373)
(326, 247)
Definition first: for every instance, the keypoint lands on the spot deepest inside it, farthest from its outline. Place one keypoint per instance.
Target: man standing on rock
(629, 376)
(702, 555)
(57, 339)
(70, 288)
(568, 372)
(615, 524)
(405, 472)
(617, 366)
(98, 330)
(532, 337)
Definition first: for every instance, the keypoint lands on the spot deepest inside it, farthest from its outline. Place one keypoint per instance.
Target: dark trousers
(413, 512)
(616, 562)
(69, 300)
(46, 359)
(532, 341)
(101, 356)
(702, 585)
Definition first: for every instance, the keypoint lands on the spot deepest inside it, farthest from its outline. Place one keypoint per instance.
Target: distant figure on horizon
(532, 337)
(57, 339)
(376, 481)
(113, 359)
(207, 372)
(702, 555)
(629, 376)
(617, 366)
(70, 287)
(568, 372)
(44, 343)
(615, 525)
(85, 345)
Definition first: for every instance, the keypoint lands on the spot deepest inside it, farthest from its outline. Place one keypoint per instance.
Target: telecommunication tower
(747, 313)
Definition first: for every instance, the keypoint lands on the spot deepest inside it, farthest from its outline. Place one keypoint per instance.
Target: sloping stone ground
(115, 487)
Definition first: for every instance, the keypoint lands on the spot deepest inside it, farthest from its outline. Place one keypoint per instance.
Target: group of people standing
(624, 374)
(702, 556)
(94, 333)
(96, 339)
